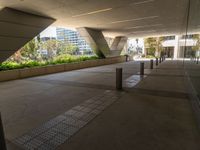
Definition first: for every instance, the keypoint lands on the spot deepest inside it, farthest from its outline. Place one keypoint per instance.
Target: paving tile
(58, 130)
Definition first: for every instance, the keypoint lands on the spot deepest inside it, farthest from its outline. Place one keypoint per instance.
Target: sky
(49, 32)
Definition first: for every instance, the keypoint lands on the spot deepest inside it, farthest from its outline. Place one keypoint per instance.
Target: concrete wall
(37, 71)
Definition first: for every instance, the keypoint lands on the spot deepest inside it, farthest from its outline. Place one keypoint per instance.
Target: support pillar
(96, 40)
(17, 28)
(118, 45)
(176, 48)
(98, 43)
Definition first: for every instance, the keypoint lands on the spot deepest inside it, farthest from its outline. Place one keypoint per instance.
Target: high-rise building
(72, 37)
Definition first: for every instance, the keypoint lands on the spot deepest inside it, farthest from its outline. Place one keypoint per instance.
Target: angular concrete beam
(17, 28)
(96, 40)
(118, 45)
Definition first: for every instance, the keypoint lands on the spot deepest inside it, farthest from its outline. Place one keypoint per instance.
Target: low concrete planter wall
(37, 71)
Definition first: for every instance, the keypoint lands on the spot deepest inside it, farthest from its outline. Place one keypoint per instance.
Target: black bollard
(126, 58)
(156, 61)
(142, 68)
(160, 60)
(2, 137)
(119, 78)
(151, 64)
(197, 60)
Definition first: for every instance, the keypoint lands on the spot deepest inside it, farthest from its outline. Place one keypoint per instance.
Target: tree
(51, 46)
(30, 49)
(150, 45)
(16, 57)
(196, 48)
(154, 45)
(69, 49)
(159, 47)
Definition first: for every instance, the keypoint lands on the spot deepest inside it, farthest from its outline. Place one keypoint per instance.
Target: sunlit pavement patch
(58, 130)
(146, 71)
(134, 80)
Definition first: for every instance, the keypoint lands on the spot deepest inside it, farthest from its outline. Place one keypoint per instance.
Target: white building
(178, 46)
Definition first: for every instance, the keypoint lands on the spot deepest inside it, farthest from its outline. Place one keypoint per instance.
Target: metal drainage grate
(58, 130)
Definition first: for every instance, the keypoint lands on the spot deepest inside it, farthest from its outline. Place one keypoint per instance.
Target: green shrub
(150, 56)
(9, 65)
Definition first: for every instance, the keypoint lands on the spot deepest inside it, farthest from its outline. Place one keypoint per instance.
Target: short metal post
(160, 60)
(156, 61)
(142, 68)
(151, 64)
(197, 60)
(126, 58)
(2, 137)
(119, 78)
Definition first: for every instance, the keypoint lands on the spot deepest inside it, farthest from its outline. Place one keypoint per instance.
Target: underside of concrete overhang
(131, 18)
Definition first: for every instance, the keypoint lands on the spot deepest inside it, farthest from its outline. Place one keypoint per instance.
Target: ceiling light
(144, 2)
(143, 32)
(137, 27)
(93, 12)
(136, 19)
(99, 11)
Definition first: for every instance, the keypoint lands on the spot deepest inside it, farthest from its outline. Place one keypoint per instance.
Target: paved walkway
(154, 114)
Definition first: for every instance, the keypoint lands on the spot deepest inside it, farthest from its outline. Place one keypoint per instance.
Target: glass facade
(72, 37)
(191, 54)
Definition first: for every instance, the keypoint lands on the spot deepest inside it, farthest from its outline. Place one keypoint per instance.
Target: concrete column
(17, 28)
(99, 45)
(118, 45)
(176, 47)
(96, 40)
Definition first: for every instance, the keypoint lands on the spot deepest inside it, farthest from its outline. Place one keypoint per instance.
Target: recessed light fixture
(139, 32)
(137, 27)
(93, 12)
(136, 19)
(144, 2)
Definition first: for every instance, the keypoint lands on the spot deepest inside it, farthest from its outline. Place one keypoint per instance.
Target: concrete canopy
(18, 28)
(131, 18)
